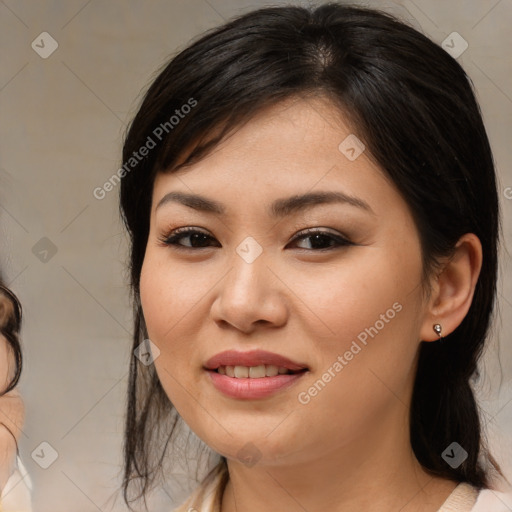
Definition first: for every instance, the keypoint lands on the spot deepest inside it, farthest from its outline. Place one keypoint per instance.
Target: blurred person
(13, 495)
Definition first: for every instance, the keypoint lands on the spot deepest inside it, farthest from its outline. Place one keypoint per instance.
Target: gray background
(62, 121)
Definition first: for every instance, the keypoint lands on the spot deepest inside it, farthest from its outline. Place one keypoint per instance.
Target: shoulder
(208, 495)
(466, 498)
(461, 499)
(490, 500)
(17, 493)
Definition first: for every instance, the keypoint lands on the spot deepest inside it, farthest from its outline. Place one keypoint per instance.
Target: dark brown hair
(415, 109)
(10, 324)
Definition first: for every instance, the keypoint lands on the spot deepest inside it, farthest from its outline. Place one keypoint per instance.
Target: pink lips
(250, 388)
(252, 358)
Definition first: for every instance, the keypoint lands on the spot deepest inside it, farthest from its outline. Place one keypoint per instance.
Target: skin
(306, 304)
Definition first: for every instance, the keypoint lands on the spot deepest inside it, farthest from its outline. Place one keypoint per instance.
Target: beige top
(207, 497)
(16, 496)
(462, 499)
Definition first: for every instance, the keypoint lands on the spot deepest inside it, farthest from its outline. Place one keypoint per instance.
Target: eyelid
(340, 239)
(322, 231)
(183, 232)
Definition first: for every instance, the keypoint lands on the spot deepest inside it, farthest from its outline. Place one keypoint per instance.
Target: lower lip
(252, 388)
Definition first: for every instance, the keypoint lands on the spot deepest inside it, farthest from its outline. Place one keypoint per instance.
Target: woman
(314, 223)
(11, 403)
(15, 482)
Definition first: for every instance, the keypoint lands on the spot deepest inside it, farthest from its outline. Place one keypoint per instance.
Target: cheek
(372, 311)
(166, 294)
(163, 298)
(359, 293)
(171, 299)
(365, 330)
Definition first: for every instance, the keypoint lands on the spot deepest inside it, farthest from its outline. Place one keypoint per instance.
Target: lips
(253, 375)
(251, 359)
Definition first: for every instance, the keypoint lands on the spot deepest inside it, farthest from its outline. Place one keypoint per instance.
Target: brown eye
(197, 239)
(322, 240)
(319, 240)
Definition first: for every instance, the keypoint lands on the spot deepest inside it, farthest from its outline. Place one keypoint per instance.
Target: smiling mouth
(253, 382)
(255, 372)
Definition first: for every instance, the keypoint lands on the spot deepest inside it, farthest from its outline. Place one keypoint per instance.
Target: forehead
(292, 147)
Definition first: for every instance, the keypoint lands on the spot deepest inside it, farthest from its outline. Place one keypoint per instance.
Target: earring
(437, 328)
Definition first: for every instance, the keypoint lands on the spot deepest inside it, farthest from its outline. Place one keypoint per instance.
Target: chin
(250, 449)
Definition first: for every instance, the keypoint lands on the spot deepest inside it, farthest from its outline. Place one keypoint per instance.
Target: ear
(453, 288)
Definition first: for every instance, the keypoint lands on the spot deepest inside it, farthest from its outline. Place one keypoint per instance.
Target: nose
(250, 294)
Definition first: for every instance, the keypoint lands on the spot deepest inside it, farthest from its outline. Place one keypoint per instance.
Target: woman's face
(348, 314)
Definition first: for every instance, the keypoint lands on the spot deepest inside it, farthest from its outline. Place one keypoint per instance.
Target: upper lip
(251, 358)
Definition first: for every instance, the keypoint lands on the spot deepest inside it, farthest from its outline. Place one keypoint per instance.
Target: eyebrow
(279, 208)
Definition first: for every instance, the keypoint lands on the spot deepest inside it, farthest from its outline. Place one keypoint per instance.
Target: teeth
(272, 371)
(256, 372)
(252, 372)
(241, 372)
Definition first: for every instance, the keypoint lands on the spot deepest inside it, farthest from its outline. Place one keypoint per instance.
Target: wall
(62, 121)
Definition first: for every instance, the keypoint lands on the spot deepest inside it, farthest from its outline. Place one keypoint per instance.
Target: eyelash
(173, 237)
